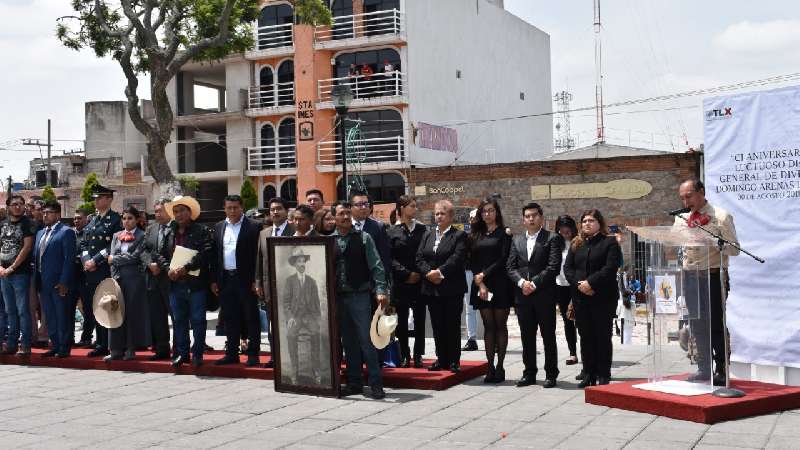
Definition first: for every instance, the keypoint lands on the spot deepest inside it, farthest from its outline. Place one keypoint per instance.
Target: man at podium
(702, 213)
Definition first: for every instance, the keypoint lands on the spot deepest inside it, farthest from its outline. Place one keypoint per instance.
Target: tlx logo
(724, 112)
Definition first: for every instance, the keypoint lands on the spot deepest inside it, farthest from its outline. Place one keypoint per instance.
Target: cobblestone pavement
(59, 408)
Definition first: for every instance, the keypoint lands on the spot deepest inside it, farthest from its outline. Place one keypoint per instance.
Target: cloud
(759, 38)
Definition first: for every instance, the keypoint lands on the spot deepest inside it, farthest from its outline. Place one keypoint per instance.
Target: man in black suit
(158, 244)
(363, 222)
(441, 257)
(533, 264)
(233, 280)
(303, 314)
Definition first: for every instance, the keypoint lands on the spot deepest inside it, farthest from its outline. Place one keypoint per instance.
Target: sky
(650, 48)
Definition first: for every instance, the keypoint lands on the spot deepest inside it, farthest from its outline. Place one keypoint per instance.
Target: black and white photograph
(304, 331)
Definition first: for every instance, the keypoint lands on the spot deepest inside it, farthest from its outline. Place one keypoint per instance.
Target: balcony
(379, 27)
(272, 41)
(272, 100)
(371, 154)
(271, 160)
(380, 89)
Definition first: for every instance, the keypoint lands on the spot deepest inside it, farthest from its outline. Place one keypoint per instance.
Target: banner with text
(752, 169)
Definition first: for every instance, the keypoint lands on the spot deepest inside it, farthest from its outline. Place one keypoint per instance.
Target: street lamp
(342, 97)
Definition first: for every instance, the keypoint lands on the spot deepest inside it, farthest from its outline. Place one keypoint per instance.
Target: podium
(677, 288)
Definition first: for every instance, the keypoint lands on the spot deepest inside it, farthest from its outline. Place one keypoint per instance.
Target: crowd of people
(49, 269)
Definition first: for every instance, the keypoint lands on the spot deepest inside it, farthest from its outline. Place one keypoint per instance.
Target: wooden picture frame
(301, 322)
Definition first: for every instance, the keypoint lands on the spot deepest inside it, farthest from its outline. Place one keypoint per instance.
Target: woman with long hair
(404, 238)
(492, 291)
(566, 227)
(324, 223)
(591, 269)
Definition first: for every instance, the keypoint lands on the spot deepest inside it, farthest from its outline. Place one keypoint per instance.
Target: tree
(48, 195)
(312, 12)
(158, 37)
(249, 195)
(87, 191)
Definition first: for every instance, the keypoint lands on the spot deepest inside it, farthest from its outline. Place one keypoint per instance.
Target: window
(266, 87)
(286, 83)
(275, 35)
(289, 192)
(381, 135)
(286, 144)
(342, 12)
(380, 23)
(372, 58)
(381, 187)
(268, 194)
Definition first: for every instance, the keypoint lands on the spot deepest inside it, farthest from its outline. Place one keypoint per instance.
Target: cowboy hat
(108, 304)
(297, 252)
(186, 201)
(381, 328)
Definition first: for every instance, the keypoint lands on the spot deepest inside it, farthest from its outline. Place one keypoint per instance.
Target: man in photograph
(303, 315)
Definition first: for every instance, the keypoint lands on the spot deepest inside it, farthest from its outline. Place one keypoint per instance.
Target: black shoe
(719, 379)
(159, 357)
(252, 361)
(588, 380)
(84, 343)
(572, 360)
(351, 389)
(227, 359)
(549, 383)
(581, 375)
(490, 373)
(207, 348)
(376, 392)
(39, 344)
(470, 346)
(9, 351)
(455, 368)
(269, 365)
(435, 367)
(62, 355)
(197, 362)
(700, 375)
(49, 354)
(405, 363)
(526, 380)
(418, 362)
(178, 361)
(602, 381)
(98, 352)
(499, 375)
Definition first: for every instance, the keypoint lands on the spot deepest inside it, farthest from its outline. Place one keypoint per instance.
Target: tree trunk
(160, 171)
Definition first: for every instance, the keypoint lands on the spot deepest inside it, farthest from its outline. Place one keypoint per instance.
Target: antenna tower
(563, 141)
(598, 65)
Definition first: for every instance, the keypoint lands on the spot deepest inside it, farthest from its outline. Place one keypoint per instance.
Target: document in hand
(181, 258)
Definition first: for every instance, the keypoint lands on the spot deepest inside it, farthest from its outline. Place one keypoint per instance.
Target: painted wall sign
(624, 189)
(306, 131)
(438, 190)
(435, 137)
(305, 109)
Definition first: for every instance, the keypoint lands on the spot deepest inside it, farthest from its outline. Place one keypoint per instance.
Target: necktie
(162, 232)
(42, 245)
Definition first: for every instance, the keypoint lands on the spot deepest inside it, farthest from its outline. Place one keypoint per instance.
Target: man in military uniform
(94, 253)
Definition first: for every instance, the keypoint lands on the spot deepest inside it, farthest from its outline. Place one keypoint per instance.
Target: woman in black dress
(565, 226)
(404, 238)
(492, 292)
(591, 269)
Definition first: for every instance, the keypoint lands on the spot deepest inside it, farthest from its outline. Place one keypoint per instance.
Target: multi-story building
(435, 83)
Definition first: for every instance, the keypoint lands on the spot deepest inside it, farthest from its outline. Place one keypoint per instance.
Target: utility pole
(38, 143)
(598, 65)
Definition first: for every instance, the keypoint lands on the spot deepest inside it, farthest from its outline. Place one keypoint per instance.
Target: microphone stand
(727, 391)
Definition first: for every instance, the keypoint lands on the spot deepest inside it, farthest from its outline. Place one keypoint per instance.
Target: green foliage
(313, 12)
(88, 208)
(189, 184)
(86, 192)
(48, 195)
(249, 195)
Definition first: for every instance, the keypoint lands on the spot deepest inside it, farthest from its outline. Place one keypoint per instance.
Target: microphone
(679, 211)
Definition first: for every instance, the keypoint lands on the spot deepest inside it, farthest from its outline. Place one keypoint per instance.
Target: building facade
(425, 76)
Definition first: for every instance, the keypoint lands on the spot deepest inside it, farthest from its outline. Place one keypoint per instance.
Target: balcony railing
(367, 151)
(274, 36)
(270, 96)
(377, 85)
(272, 157)
(362, 25)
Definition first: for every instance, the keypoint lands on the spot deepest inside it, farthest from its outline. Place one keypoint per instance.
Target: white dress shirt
(439, 236)
(229, 239)
(297, 233)
(530, 242)
(561, 279)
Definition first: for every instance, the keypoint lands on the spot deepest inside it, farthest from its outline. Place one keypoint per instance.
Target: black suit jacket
(246, 252)
(450, 258)
(542, 268)
(159, 254)
(597, 262)
(377, 231)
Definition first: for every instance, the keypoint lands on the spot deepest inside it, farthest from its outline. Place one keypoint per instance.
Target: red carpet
(394, 378)
(760, 398)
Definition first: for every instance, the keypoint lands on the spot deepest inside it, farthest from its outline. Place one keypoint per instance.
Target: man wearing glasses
(363, 222)
(16, 243)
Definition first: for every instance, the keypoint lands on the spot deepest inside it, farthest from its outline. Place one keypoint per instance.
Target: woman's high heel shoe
(490, 374)
(499, 375)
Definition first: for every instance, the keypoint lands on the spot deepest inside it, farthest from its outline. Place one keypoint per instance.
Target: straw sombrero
(187, 201)
(381, 328)
(108, 304)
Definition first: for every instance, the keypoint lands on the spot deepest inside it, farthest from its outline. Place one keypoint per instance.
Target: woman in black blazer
(591, 269)
(404, 239)
(440, 258)
(489, 246)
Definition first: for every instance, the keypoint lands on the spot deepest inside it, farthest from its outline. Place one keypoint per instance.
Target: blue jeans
(354, 312)
(15, 294)
(188, 306)
(3, 319)
(60, 321)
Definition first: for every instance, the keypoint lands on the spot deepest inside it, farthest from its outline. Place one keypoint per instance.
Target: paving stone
(734, 439)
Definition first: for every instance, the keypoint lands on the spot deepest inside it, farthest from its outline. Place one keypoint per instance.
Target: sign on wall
(435, 137)
(625, 189)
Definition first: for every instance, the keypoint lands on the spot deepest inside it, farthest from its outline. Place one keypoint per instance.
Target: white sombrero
(108, 304)
(381, 328)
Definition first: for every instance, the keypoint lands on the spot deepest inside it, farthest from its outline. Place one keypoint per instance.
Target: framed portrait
(303, 315)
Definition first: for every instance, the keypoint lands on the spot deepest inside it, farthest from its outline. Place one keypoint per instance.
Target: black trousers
(541, 314)
(158, 306)
(403, 306)
(240, 306)
(706, 318)
(594, 320)
(563, 297)
(93, 279)
(446, 324)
